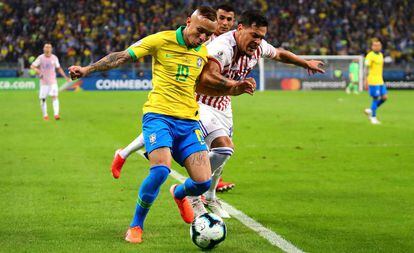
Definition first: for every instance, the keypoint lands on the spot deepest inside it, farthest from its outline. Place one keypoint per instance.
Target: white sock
(133, 146)
(56, 106)
(43, 106)
(218, 158)
(215, 178)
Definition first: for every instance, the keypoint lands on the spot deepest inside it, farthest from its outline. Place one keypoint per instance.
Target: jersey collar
(180, 38)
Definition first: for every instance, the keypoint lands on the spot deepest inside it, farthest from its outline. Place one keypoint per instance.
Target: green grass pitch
(308, 165)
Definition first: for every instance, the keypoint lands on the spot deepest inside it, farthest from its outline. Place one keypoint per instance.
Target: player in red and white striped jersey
(232, 56)
(233, 63)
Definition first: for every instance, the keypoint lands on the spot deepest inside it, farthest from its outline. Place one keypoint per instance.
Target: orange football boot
(224, 186)
(184, 206)
(134, 235)
(117, 164)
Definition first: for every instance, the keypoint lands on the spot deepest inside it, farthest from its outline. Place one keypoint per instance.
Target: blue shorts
(377, 90)
(182, 136)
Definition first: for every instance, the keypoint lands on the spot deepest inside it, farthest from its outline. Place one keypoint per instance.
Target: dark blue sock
(191, 188)
(374, 106)
(148, 191)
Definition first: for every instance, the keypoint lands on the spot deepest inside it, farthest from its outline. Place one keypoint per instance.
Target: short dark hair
(225, 7)
(248, 18)
(207, 12)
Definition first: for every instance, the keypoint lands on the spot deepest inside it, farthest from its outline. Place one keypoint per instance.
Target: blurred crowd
(83, 31)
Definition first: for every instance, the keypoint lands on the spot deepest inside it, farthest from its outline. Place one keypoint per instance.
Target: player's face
(225, 21)
(376, 46)
(250, 37)
(47, 49)
(198, 30)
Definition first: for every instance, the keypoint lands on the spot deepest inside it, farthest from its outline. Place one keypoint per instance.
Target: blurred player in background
(374, 61)
(233, 55)
(353, 77)
(225, 22)
(170, 120)
(45, 67)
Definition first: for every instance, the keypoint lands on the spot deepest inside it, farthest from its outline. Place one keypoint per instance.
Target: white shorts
(215, 123)
(48, 90)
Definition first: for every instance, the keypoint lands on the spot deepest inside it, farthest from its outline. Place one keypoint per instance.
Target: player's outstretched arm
(312, 66)
(111, 61)
(62, 73)
(213, 83)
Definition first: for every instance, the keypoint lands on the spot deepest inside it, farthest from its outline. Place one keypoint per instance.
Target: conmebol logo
(120, 84)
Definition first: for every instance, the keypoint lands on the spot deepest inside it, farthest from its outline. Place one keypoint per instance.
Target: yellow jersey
(375, 63)
(175, 70)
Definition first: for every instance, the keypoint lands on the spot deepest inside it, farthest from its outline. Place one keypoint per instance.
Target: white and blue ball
(208, 230)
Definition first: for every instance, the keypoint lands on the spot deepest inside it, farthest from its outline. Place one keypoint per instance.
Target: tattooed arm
(111, 61)
(213, 83)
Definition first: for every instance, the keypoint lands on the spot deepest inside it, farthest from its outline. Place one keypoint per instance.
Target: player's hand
(247, 85)
(314, 67)
(76, 72)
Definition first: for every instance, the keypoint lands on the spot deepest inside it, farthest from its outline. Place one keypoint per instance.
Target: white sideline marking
(269, 235)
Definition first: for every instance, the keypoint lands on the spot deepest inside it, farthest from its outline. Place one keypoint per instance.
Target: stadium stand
(84, 31)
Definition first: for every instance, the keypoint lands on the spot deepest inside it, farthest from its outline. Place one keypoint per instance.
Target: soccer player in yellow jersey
(170, 120)
(225, 22)
(377, 90)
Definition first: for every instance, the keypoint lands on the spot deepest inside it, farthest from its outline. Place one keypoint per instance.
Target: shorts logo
(199, 62)
(153, 139)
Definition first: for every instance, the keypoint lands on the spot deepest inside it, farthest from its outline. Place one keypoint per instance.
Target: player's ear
(188, 22)
(239, 27)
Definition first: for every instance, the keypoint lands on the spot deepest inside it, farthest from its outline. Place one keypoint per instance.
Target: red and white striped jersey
(233, 64)
(212, 37)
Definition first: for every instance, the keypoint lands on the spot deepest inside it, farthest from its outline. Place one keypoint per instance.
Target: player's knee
(222, 141)
(160, 157)
(384, 98)
(165, 163)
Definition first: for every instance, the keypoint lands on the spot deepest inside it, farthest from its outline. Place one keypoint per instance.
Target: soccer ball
(208, 230)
